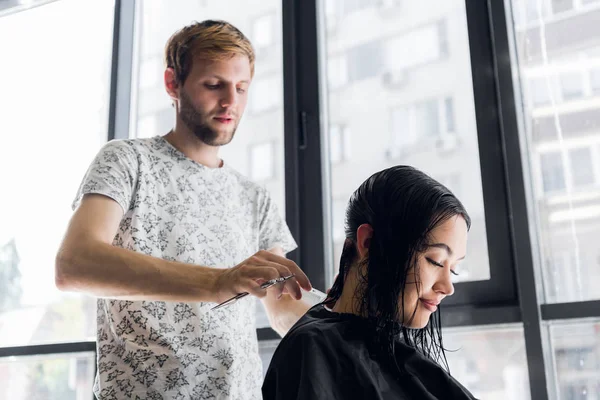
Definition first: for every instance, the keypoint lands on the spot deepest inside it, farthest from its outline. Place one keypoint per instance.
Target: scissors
(265, 285)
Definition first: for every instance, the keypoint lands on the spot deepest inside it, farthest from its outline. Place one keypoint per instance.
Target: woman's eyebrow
(444, 246)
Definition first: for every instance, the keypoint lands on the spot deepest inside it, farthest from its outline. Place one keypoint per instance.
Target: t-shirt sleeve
(273, 231)
(112, 173)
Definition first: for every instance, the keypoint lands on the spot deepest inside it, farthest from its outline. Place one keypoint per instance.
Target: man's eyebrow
(227, 80)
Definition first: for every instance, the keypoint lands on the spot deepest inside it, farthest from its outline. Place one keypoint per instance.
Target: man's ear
(171, 84)
(364, 233)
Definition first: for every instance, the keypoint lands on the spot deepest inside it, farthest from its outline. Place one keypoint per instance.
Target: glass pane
(261, 166)
(490, 362)
(257, 149)
(540, 91)
(571, 86)
(266, 349)
(595, 81)
(576, 349)
(559, 6)
(402, 88)
(553, 176)
(561, 119)
(582, 166)
(65, 377)
(51, 129)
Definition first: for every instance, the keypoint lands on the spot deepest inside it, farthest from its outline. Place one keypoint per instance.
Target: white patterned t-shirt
(177, 209)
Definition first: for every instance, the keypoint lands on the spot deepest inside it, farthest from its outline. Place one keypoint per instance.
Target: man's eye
(212, 87)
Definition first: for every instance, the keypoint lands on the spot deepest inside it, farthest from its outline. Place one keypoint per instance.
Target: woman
(405, 235)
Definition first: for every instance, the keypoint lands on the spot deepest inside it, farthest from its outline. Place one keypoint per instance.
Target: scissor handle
(265, 285)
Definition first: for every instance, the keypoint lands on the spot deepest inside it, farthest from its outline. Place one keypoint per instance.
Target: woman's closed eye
(437, 264)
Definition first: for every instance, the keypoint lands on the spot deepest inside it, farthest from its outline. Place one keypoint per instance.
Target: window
(421, 122)
(576, 349)
(403, 134)
(595, 81)
(265, 94)
(553, 175)
(571, 86)
(157, 123)
(449, 114)
(151, 73)
(339, 214)
(352, 6)
(582, 168)
(540, 92)
(566, 221)
(339, 144)
(338, 220)
(47, 377)
(417, 47)
(470, 351)
(528, 11)
(267, 349)
(365, 61)
(262, 161)
(559, 6)
(32, 310)
(427, 119)
(410, 123)
(263, 31)
(337, 72)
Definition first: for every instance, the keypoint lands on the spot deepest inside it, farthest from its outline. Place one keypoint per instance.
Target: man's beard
(196, 122)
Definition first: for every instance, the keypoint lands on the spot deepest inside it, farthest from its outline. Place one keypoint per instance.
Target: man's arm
(284, 312)
(88, 262)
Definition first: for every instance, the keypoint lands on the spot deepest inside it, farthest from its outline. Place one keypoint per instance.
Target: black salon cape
(331, 356)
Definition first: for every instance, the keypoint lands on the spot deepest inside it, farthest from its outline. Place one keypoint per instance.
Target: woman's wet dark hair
(403, 206)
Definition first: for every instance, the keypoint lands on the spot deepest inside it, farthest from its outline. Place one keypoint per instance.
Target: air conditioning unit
(397, 79)
(446, 143)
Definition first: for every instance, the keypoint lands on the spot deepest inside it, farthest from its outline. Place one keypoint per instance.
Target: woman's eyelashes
(437, 264)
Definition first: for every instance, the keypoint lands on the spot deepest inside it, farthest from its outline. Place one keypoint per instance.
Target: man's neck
(194, 148)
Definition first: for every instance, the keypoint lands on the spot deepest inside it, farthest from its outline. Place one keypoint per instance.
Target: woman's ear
(364, 233)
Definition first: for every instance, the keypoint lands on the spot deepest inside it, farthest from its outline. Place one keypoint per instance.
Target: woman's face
(435, 268)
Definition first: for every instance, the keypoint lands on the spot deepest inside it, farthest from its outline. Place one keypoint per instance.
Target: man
(163, 230)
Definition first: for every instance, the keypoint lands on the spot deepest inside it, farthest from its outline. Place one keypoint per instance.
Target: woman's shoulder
(322, 328)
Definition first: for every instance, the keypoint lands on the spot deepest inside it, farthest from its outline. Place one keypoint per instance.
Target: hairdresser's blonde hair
(207, 40)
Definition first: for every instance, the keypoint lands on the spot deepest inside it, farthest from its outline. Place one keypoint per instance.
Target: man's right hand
(248, 275)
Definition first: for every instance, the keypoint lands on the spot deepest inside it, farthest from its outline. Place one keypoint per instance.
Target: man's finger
(301, 277)
(265, 273)
(293, 288)
(291, 266)
(281, 269)
(254, 288)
